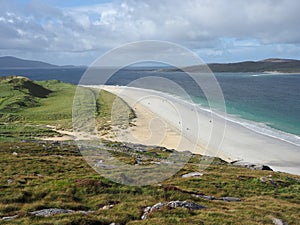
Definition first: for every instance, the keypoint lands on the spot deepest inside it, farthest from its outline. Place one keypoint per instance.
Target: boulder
(185, 204)
(192, 174)
(251, 165)
(9, 181)
(226, 199)
(277, 221)
(108, 206)
(7, 218)
(54, 211)
(229, 199)
(50, 212)
(171, 204)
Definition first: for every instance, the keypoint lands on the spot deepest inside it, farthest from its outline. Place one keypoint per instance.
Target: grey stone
(251, 165)
(207, 197)
(54, 211)
(171, 204)
(229, 199)
(261, 167)
(263, 179)
(193, 174)
(101, 163)
(108, 206)
(185, 204)
(268, 179)
(7, 218)
(85, 212)
(98, 163)
(50, 212)
(277, 221)
(9, 181)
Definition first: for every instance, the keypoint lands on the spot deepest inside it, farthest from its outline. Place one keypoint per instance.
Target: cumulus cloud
(197, 24)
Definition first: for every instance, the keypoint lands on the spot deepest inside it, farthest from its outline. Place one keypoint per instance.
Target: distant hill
(13, 62)
(267, 65)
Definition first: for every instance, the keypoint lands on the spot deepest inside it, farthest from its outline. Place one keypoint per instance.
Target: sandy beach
(174, 123)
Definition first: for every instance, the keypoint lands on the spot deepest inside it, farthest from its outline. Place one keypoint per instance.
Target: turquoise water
(273, 100)
(266, 103)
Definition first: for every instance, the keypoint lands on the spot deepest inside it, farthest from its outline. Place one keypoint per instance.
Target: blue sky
(78, 32)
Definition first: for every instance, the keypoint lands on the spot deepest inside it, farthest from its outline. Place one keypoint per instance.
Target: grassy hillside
(23, 100)
(24, 104)
(37, 175)
(49, 175)
(26, 107)
(18, 93)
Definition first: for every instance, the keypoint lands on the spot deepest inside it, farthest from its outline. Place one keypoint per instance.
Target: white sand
(68, 135)
(166, 121)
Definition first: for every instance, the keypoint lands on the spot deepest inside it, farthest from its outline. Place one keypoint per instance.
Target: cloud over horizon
(220, 30)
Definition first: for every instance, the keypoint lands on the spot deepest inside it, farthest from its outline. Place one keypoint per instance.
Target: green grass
(50, 174)
(66, 181)
(15, 132)
(41, 103)
(54, 110)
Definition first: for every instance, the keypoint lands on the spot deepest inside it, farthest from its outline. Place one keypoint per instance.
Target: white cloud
(197, 24)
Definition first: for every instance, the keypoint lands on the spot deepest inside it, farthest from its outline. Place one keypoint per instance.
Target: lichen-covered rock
(229, 199)
(171, 204)
(51, 212)
(277, 221)
(193, 174)
(226, 199)
(7, 218)
(185, 204)
(252, 166)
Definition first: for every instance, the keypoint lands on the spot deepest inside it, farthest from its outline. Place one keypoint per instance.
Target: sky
(77, 32)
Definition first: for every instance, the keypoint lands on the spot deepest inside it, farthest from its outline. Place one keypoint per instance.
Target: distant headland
(271, 65)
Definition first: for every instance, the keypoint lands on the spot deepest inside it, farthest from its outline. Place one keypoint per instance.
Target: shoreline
(239, 143)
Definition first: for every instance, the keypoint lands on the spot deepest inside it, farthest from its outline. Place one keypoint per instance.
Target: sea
(267, 103)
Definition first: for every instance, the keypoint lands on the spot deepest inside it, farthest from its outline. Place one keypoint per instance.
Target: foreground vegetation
(54, 175)
(38, 174)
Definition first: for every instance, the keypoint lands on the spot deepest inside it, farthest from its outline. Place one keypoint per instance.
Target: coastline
(275, 72)
(239, 143)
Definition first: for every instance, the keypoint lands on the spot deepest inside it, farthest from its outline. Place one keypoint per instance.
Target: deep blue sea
(267, 103)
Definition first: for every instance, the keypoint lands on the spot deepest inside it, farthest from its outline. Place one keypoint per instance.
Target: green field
(27, 107)
(38, 174)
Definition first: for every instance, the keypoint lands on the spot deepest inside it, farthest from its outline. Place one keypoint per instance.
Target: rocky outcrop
(171, 204)
(55, 211)
(203, 196)
(277, 221)
(8, 218)
(50, 212)
(251, 165)
(192, 174)
(268, 179)
(226, 199)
